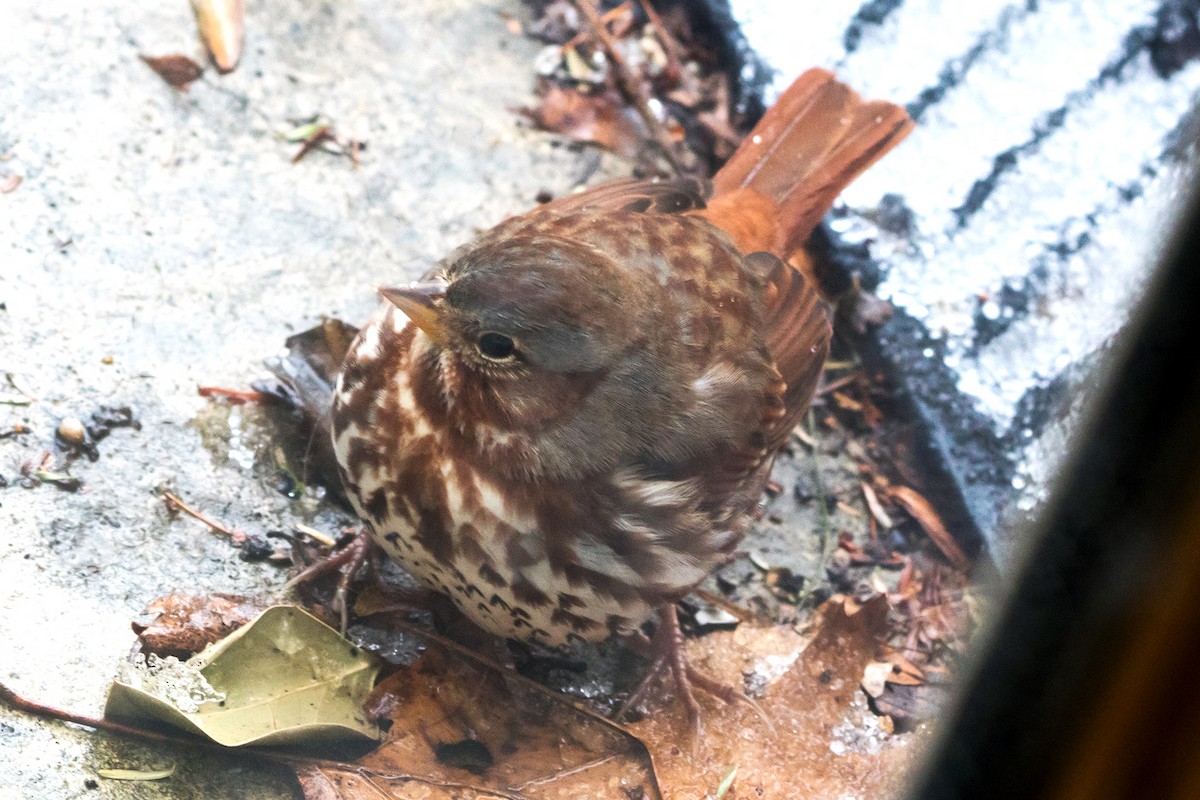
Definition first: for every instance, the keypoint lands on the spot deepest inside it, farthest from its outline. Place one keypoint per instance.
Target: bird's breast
(458, 525)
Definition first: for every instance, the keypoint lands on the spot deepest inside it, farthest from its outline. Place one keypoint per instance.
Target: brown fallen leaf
(185, 624)
(303, 388)
(598, 118)
(222, 29)
(461, 729)
(177, 70)
(827, 744)
(922, 511)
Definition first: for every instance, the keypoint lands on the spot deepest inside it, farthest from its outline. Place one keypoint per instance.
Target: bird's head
(548, 344)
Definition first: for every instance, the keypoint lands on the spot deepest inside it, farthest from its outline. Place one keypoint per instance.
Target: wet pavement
(160, 241)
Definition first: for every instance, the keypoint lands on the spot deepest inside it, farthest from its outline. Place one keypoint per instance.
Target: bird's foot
(667, 654)
(346, 562)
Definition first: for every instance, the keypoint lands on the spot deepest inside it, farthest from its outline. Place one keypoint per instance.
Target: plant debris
(237, 537)
(185, 624)
(283, 678)
(9, 184)
(233, 396)
(222, 28)
(923, 512)
(14, 430)
(637, 81)
(41, 470)
(302, 390)
(79, 438)
(136, 774)
(177, 70)
(318, 132)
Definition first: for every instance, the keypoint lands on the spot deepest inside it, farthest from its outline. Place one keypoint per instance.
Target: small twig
(877, 512)
(319, 136)
(270, 755)
(664, 36)
(12, 381)
(15, 701)
(834, 385)
(627, 88)
(173, 502)
(822, 503)
(744, 614)
(315, 534)
(235, 396)
(607, 17)
(564, 773)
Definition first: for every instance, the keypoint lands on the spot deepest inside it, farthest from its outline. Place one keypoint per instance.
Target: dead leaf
(462, 729)
(10, 184)
(176, 69)
(920, 510)
(599, 118)
(303, 388)
(827, 743)
(284, 678)
(875, 675)
(185, 624)
(222, 29)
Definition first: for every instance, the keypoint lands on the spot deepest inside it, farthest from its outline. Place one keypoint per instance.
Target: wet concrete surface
(160, 241)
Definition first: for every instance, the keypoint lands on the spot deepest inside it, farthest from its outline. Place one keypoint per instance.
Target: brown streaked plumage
(569, 422)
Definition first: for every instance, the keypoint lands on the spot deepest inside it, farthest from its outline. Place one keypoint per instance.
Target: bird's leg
(666, 651)
(346, 562)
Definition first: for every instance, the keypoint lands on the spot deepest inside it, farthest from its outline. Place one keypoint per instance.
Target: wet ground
(160, 241)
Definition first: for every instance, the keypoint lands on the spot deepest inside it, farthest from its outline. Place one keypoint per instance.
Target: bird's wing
(798, 331)
(796, 321)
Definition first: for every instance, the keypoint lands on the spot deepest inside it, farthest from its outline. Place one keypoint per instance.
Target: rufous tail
(817, 138)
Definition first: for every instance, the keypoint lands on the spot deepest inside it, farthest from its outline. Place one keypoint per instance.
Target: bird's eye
(496, 346)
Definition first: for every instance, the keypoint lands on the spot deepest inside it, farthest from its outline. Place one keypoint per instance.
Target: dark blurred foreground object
(1084, 687)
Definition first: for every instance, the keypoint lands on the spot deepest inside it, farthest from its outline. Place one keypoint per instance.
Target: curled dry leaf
(601, 118)
(185, 624)
(283, 678)
(922, 511)
(177, 70)
(303, 388)
(222, 29)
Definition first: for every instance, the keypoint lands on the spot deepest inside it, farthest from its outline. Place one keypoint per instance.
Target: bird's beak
(420, 302)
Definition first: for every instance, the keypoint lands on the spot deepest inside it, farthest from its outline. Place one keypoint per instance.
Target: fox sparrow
(569, 422)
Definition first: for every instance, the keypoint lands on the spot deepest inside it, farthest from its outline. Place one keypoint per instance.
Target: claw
(346, 562)
(666, 651)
